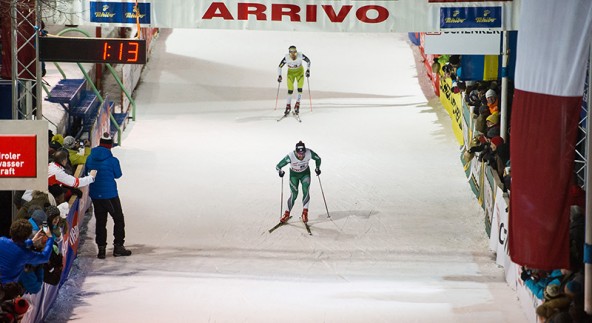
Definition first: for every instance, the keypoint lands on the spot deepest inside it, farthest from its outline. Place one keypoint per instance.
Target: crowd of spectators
(560, 291)
(30, 256)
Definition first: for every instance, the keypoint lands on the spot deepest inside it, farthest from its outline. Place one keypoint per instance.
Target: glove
(307, 73)
(318, 171)
(281, 173)
(280, 79)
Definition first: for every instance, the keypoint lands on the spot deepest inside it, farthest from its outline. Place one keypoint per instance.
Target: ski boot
(305, 215)
(288, 108)
(285, 217)
(297, 108)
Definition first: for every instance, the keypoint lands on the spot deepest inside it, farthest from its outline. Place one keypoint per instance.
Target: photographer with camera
(16, 252)
(78, 152)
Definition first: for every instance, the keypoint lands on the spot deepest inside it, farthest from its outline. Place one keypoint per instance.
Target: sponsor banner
(499, 228)
(41, 302)
(464, 42)
(119, 12)
(471, 17)
(452, 102)
(18, 156)
(102, 124)
(23, 154)
(280, 15)
(488, 189)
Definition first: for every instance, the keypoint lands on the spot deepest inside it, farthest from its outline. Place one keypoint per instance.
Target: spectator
(55, 144)
(57, 174)
(105, 197)
(32, 278)
(577, 234)
(76, 158)
(493, 127)
(480, 122)
(555, 302)
(15, 252)
(57, 224)
(52, 271)
(492, 101)
(537, 281)
(493, 159)
(34, 198)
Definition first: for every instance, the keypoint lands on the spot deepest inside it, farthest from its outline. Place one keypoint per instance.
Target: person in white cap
(492, 101)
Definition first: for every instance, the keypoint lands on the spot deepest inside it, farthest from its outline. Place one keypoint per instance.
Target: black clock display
(92, 50)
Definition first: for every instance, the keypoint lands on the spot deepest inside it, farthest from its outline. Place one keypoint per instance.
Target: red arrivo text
(371, 14)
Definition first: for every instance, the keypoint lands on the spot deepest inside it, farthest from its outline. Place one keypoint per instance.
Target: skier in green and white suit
(295, 73)
(299, 172)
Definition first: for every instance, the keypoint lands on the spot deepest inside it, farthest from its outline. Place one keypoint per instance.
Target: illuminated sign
(92, 50)
(18, 156)
(118, 12)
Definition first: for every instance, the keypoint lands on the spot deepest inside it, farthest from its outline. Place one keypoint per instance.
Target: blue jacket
(108, 169)
(537, 288)
(32, 280)
(13, 258)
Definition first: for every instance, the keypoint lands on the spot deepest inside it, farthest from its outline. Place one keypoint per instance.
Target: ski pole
(309, 98)
(326, 208)
(277, 96)
(282, 199)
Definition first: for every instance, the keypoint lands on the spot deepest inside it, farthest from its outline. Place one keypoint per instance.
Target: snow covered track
(200, 190)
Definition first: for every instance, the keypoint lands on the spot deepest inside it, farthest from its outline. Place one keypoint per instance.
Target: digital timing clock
(92, 50)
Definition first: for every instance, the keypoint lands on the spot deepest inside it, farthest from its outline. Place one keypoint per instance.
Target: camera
(44, 226)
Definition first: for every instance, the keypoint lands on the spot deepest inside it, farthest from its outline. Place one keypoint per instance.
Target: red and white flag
(553, 49)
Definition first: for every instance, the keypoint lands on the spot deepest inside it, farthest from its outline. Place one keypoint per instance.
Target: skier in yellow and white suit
(295, 73)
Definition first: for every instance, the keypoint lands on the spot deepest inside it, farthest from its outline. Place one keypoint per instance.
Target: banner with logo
(452, 102)
(293, 15)
(464, 42)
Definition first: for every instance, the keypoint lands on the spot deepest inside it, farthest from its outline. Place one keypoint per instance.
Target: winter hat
(21, 305)
(69, 142)
(300, 147)
(490, 93)
(551, 291)
(497, 141)
(58, 138)
(494, 118)
(106, 140)
(39, 217)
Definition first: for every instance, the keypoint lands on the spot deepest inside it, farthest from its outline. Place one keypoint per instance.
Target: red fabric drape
(544, 130)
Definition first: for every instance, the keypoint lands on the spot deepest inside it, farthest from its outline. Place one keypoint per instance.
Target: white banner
(467, 42)
(292, 15)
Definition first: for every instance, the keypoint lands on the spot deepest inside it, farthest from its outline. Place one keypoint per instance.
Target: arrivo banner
(287, 15)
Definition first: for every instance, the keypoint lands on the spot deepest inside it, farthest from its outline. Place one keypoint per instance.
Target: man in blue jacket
(15, 253)
(105, 197)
